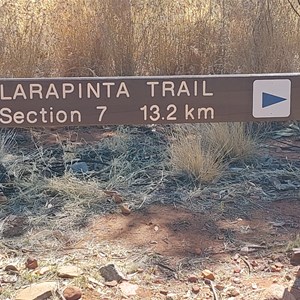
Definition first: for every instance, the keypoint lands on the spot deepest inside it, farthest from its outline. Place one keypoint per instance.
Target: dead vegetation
(160, 37)
(205, 150)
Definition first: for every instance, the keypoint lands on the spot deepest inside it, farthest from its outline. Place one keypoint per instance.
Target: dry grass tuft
(235, 140)
(75, 190)
(191, 155)
(204, 150)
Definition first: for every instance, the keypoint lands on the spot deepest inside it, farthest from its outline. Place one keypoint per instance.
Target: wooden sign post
(147, 100)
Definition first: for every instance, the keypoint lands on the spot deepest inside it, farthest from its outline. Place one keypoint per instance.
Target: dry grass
(235, 140)
(193, 156)
(204, 150)
(294, 244)
(75, 190)
(151, 37)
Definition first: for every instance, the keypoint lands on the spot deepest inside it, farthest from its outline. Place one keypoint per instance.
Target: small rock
(195, 289)
(69, 272)
(278, 292)
(275, 269)
(298, 274)
(234, 292)
(164, 292)
(43, 270)
(207, 274)
(236, 280)
(236, 257)
(295, 259)
(38, 291)
(125, 209)
(192, 278)
(31, 263)
(128, 289)
(72, 293)
(111, 283)
(3, 199)
(220, 287)
(11, 269)
(254, 286)
(279, 265)
(158, 281)
(254, 263)
(79, 167)
(171, 296)
(237, 270)
(111, 273)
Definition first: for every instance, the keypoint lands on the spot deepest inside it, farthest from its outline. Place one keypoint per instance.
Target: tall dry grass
(149, 37)
(205, 150)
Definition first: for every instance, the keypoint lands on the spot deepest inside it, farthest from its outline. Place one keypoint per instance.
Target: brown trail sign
(143, 100)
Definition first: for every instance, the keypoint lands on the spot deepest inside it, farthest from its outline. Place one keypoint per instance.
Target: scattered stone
(164, 292)
(111, 283)
(295, 259)
(128, 289)
(3, 199)
(125, 209)
(207, 274)
(192, 278)
(236, 280)
(72, 293)
(220, 287)
(254, 263)
(79, 168)
(111, 273)
(171, 296)
(158, 281)
(233, 292)
(236, 257)
(279, 265)
(237, 270)
(39, 291)
(43, 270)
(195, 289)
(31, 263)
(69, 272)
(11, 269)
(275, 269)
(254, 286)
(278, 292)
